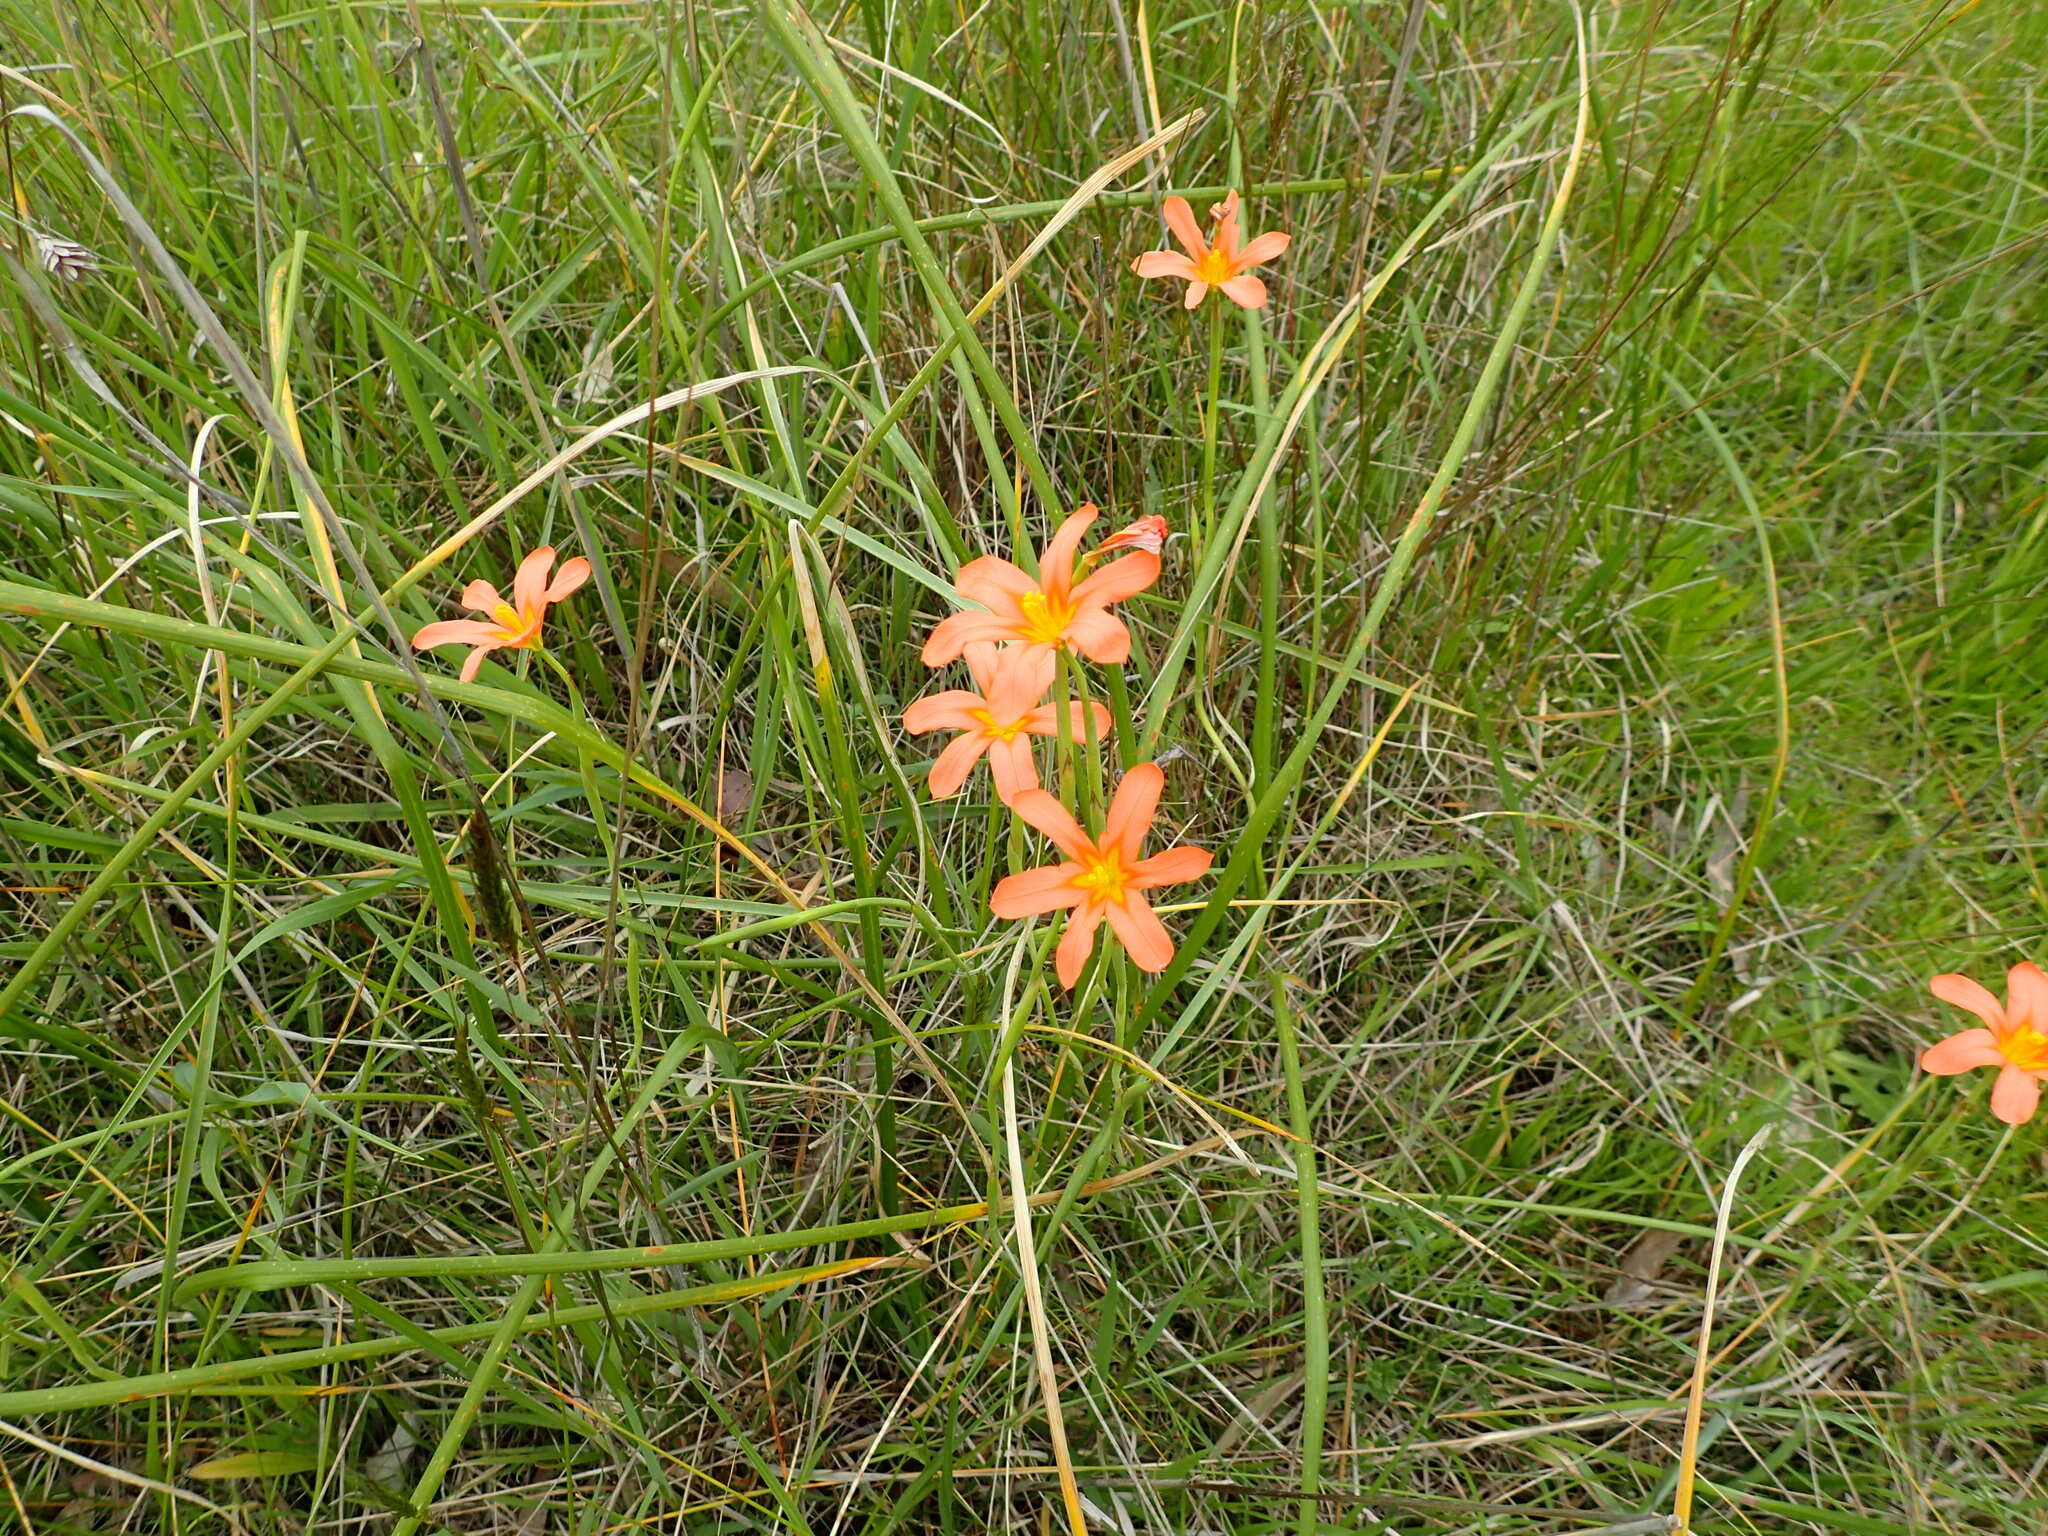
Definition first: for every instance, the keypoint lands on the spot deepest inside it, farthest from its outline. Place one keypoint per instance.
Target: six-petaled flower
(513, 626)
(2013, 1038)
(999, 719)
(1218, 262)
(1103, 879)
(1053, 610)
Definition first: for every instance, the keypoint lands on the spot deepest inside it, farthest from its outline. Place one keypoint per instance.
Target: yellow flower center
(1102, 877)
(520, 630)
(1045, 619)
(1215, 269)
(997, 732)
(2026, 1048)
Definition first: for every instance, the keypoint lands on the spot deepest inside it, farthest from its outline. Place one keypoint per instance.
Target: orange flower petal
(1962, 1053)
(480, 597)
(1077, 943)
(954, 633)
(2026, 997)
(1264, 248)
(1196, 293)
(1040, 810)
(1056, 563)
(1122, 578)
(1099, 636)
(952, 710)
(1011, 767)
(473, 663)
(530, 581)
(955, 763)
(1180, 218)
(1132, 809)
(1965, 993)
(457, 632)
(2015, 1096)
(573, 574)
(1144, 937)
(1176, 866)
(982, 658)
(1045, 721)
(1245, 291)
(994, 583)
(1022, 677)
(1164, 264)
(1035, 891)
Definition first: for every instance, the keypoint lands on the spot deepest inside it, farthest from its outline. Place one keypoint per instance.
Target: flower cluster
(1011, 642)
(1011, 646)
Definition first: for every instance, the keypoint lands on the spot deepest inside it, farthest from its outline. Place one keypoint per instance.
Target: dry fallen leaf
(1640, 1267)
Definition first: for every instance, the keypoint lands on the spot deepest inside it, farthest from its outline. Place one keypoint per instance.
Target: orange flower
(1103, 878)
(513, 626)
(998, 720)
(1052, 611)
(1147, 533)
(1221, 265)
(2014, 1039)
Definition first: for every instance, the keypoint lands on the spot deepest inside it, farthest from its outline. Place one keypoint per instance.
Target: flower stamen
(1045, 618)
(2026, 1048)
(1102, 877)
(518, 627)
(997, 731)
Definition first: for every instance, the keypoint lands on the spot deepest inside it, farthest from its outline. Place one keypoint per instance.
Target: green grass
(1605, 659)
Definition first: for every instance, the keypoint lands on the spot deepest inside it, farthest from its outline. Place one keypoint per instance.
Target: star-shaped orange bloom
(1220, 263)
(513, 626)
(1053, 611)
(1103, 878)
(2014, 1039)
(1000, 719)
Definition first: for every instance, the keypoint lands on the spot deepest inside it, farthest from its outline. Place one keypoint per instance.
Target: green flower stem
(1212, 401)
